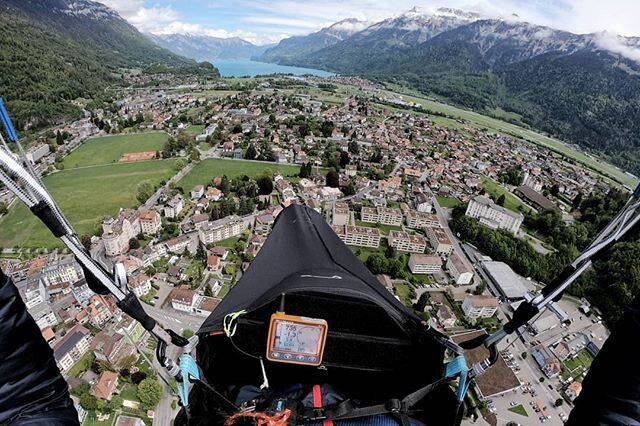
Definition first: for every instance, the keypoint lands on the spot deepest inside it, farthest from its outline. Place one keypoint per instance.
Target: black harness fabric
(32, 391)
(301, 253)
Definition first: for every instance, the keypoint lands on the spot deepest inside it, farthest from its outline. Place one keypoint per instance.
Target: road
(152, 201)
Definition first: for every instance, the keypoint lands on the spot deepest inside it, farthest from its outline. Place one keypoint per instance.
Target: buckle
(317, 414)
(393, 405)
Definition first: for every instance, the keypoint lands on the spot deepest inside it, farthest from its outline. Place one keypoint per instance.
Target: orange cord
(262, 419)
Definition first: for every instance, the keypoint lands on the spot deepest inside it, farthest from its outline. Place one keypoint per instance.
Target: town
(390, 179)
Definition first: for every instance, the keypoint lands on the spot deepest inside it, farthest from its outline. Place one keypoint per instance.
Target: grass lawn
(130, 392)
(81, 365)
(404, 293)
(91, 420)
(582, 360)
(109, 149)
(495, 190)
(85, 196)
(206, 170)
(383, 228)
(520, 132)
(365, 252)
(447, 202)
(195, 129)
(519, 409)
(228, 243)
(224, 289)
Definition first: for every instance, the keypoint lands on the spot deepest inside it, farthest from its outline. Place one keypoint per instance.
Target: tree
(524, 355)
(265, 185)
(577, 200)
(344, 159)
(86, 241)
(3, 209)
(134, 244)
(149, 392)
(59, 138)
(225, 185)
(333, 179)
(88, 402)
(138, 377)
(201, 254)
(559, 402)
(250, 153)
(145, 191)
(237, 128)
(116, 401)
(305, 170)
(421, 304)
(349, 189)
(501, 199)
(127, 362)
(354, 148)
(187, 333)
(480, 288)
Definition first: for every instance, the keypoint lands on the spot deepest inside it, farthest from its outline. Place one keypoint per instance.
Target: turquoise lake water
(245, 67)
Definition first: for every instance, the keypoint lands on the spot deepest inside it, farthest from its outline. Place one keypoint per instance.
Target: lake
(246, 67)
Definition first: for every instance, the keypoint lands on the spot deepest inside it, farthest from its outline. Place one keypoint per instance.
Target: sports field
(206, 170)
(85, 195)
(109, 149)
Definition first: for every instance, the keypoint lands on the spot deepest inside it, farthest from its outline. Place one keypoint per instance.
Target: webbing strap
(189, 370)
(317, 403)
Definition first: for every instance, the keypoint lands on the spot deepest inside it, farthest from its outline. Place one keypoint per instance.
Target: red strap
(317, 403)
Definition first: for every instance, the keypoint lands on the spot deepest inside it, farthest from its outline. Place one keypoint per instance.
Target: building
(458, 269)
(131, 329)
(573, 390)
(439, 241)
(510, 285)
(65, 270)
(98, 310)
(263, 224)
(140, 284)
(197, 192)
(150, 221)
(424, 264)
(173, 208)
(182, 299)
(340, 215)
(423, 203)
(546, 360)
(494, 216)
(214, 194)
(417, 220)
(383, 215)
(111, 347)
(82, 413)
(105, 386)
(43, 315)
(222, 229)
(361, 236)
(179, 245)
(118, 232)
(213, 263)
(34, 293)
(479, 306)
(446, 317)
(535, 199)
(402, 241)
(71, 347)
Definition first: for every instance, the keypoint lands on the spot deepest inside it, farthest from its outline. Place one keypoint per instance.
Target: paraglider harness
(17, 174)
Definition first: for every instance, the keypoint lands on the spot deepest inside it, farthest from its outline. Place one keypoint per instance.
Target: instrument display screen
(297, 340)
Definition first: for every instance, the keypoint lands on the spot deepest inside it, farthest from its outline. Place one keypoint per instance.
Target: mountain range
(584, 88)
(53, 52)
(207, 48)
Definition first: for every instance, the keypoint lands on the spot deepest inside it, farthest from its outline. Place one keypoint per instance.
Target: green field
(84, 195)
(519, 409)
(195, 129)
(205, 171)
(516, 131)
(109, 149)
(582, 360)
(447, 202)
(495, 190)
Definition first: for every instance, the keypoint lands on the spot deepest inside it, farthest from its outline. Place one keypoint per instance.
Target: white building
(34, 293)
(416, 219)
(383, 215)
(182, 299)
(173, 208)
(439, 241)
(482, 306)
(118, 232)
(459, 270)
(150, 221)
(425, 264)
(222, 229)
(494, 216)
(43, 315)
(361, 236)
(65, 270)
(423, 203)
(340, 215)
(71, 347)
(140, 284)
(402, 241)
(197, 192)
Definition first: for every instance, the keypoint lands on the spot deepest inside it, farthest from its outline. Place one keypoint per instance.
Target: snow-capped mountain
(207, 48)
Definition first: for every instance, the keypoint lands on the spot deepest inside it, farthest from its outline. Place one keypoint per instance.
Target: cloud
(617, 45)
(153, 19)
(284, 22)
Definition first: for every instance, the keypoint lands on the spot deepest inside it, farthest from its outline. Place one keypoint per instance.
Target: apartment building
(361, 236)
(479, 306)
(461, 273)
(402, 241)
(439, 241)
(222, 229)
(118, 232)
(71, 347)
(383, 215)
(424, 264)
(417, 220)
(494, 216)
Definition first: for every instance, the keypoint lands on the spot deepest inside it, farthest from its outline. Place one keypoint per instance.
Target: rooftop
(426, 259)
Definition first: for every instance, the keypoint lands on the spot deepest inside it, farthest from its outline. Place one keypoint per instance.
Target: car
(513, 403)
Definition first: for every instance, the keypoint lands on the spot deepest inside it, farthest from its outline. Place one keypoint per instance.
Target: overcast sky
(267, 21)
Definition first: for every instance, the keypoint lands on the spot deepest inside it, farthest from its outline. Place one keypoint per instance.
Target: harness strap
(317, 403)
